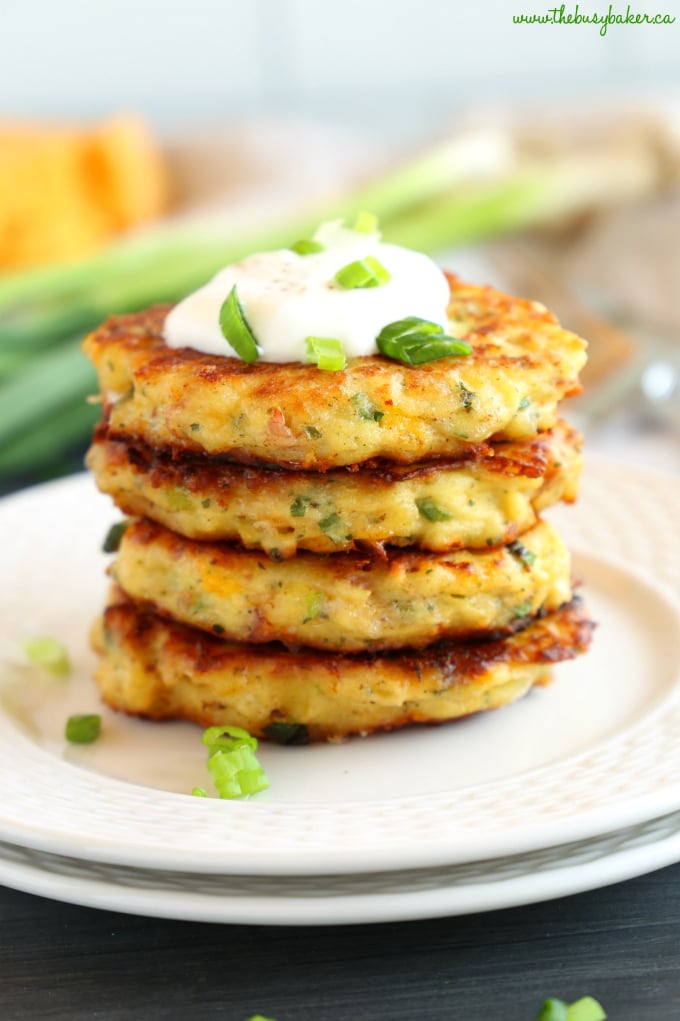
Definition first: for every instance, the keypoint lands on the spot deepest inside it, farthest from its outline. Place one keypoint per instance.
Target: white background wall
(388, 65)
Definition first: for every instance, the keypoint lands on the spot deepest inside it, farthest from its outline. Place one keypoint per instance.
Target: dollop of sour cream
(286, 297)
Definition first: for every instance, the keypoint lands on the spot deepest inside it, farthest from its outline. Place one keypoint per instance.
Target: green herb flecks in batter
(526, 556)
(365, 407)
(429, 510)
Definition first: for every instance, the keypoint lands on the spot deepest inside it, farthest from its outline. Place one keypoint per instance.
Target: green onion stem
(41, 387)
(48, 438)
(465, 190)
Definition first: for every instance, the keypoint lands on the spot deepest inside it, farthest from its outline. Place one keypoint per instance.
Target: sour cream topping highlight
(287, 297)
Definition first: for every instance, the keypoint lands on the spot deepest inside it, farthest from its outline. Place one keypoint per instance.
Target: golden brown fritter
(298, 416)
(345, 602)
(153, 667)
(485, 499)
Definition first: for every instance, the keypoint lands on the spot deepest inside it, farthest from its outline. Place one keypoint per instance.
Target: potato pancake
(298, 416)
(345, 602)
(475, 502)
(156, 668)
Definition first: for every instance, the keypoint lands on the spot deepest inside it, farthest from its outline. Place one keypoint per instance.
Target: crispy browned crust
(489, 497)
(297, 416)
(347, 602)
(163, 670)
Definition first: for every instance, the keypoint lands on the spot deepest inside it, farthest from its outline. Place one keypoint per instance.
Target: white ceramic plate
(596, 751)
(353, 898)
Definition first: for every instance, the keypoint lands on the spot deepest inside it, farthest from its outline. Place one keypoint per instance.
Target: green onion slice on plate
(415, 341)
(83, 729)
(232, 762)
(49, 654)
(236, 330)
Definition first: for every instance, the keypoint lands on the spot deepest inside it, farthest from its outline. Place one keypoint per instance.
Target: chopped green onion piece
(235, 329)
(365, 223)
(585, 1009)
(199, 792)
(325, 353)
(114, 535)
(227, 737)
(298, 507)
(287, 733)
(179, 498)
(366, 409)
(522, 610)
(83, 729)
(429, 510)
(259, 1017)
(524, 403)
(48, 653)
(416, 341)
(306, 246)
(553, 1010)
(368, 272)
(232, 762)
(467, 396)
(236, 773)
(314, 604)
(411, 324)
(526, 556)
(329, 523)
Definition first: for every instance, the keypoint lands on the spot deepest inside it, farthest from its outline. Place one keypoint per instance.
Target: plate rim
(565, 878)
(586, 825)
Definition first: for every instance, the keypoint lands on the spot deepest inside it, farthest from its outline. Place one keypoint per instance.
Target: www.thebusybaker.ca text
(562, 16)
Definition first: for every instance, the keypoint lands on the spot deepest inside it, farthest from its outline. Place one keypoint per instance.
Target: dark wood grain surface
(59, 962)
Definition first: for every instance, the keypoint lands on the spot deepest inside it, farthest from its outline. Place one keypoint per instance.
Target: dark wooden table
(59, 962)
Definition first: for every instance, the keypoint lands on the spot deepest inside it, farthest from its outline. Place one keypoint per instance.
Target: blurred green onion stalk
(471, 188)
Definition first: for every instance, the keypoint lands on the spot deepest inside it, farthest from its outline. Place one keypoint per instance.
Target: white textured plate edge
(371, 855)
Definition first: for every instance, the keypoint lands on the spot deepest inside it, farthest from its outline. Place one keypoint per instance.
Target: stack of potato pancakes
(313, 554)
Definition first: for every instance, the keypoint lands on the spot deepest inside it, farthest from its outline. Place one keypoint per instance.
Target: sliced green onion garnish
(307, 246)
(325, 353)
(48, 653)
(368, 272)
(553, 1010)
(365, 223)
(235, 329)
(114, 535)
(199, 792)
(429, 510)
(415, 341)
(586, 1009)
(232, 762)
(83, 729)
(236, 773)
